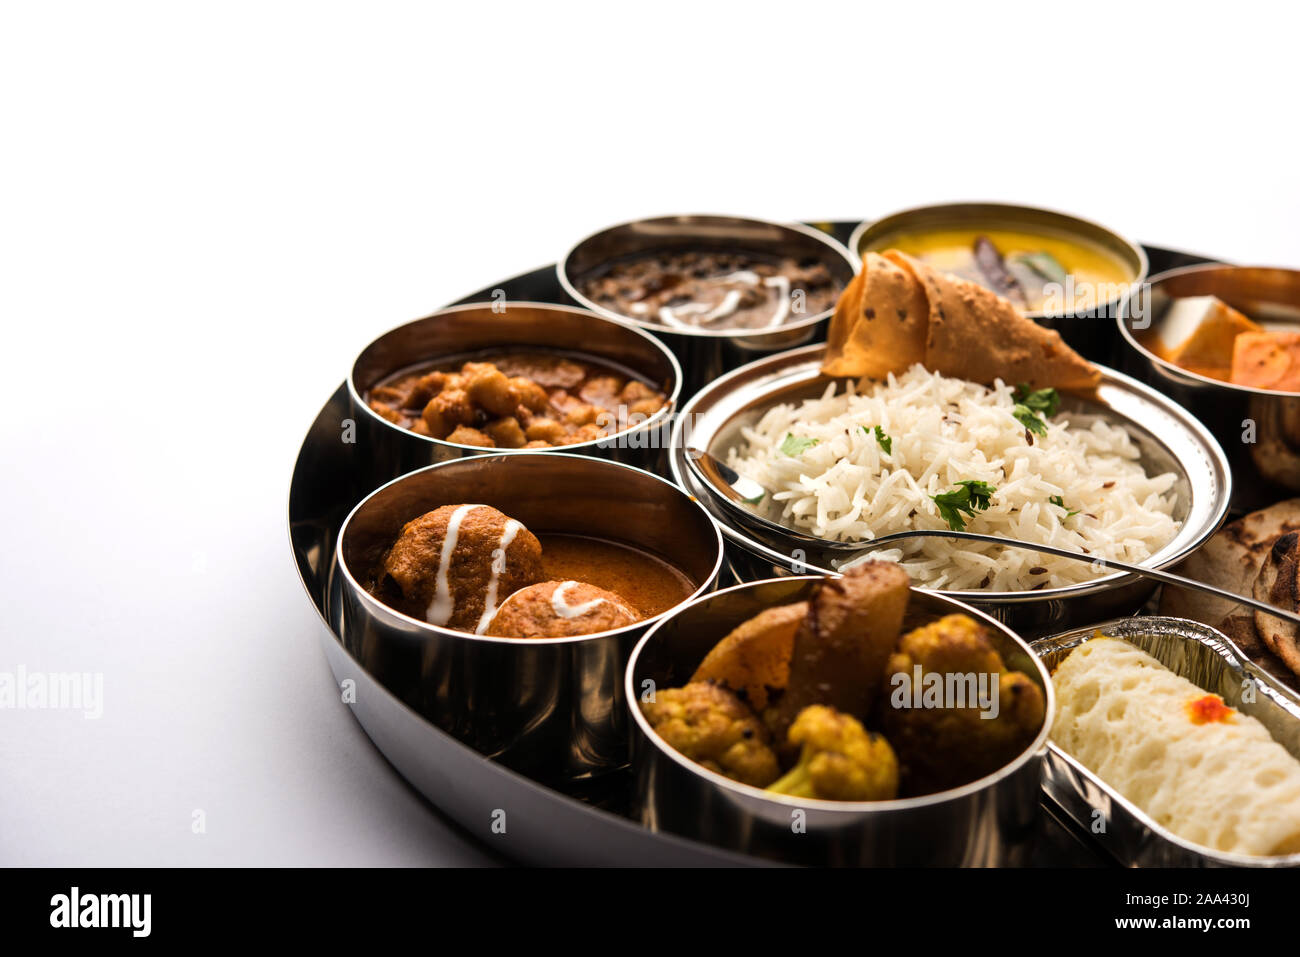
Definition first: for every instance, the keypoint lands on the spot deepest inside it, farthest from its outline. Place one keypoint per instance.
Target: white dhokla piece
(1204, 771)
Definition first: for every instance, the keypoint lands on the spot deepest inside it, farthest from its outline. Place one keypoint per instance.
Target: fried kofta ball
(939, 744)
(452, 566)
(558, 609)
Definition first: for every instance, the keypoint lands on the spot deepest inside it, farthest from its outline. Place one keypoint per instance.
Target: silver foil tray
(1209, 660)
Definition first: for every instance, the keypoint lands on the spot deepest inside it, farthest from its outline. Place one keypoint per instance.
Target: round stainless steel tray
(586, 823)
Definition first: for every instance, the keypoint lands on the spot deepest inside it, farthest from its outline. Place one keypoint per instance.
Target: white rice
(943, 431)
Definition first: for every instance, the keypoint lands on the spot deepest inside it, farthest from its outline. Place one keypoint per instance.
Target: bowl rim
(1135, 248)
(658, 420)
(571, 290)
(1034, 750)
(375, 606)
(1122, 317)
(1205, 438)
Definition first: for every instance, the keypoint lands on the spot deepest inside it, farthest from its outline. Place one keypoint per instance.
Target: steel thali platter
(578, 823)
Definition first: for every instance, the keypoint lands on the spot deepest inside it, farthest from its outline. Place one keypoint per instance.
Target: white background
(207, 209)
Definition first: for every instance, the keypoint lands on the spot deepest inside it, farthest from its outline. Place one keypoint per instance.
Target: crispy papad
(899, 311)
(976, 334)
(879, 324)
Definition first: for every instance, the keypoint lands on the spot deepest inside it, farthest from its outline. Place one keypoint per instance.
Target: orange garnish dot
(1208, 708)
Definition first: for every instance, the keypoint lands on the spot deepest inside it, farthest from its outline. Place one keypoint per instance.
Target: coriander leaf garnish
(968, 498)
(1060, 503)
(980, 492)
(1029, 419)
(1034, 408)
(886, 442)
(796, 445)
(1046, 401)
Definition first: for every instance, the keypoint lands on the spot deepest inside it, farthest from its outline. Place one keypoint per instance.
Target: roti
(1279, 584)
(1235, 559)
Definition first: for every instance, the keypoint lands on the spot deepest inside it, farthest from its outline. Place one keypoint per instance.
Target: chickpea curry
(517, 400)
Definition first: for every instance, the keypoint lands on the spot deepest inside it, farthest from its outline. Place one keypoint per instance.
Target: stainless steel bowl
(705, 354)
(1266, 469)
(551, 707)
(989, 822)
(1088, 331)
(389, 450)
(1170, 440)
(1206, 658)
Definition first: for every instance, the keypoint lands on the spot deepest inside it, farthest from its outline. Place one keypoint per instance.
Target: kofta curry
(472, 568)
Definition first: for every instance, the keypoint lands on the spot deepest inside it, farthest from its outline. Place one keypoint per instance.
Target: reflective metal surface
(575, 823)
(705, 354)
(1089, 331)
(549, 706)
(545, 826)
(1206, 658)
(1259, 429)
(1169, 438)
(990, 822)
(389, 450)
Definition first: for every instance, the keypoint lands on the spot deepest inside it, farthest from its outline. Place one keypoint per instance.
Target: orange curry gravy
(646, 582)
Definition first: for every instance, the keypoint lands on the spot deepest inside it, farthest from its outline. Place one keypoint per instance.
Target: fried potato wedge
(842, 645)
(754, 659)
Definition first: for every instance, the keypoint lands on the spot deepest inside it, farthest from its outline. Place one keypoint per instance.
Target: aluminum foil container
(1208, 659)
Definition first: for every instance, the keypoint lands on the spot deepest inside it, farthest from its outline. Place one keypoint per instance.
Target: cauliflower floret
(949, 746)
(713, 727)
(841, 760)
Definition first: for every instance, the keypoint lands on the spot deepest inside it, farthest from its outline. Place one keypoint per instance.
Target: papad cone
(898, 311)
(879, 323)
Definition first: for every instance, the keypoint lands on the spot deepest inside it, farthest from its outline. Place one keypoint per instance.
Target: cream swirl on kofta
(451, 564)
